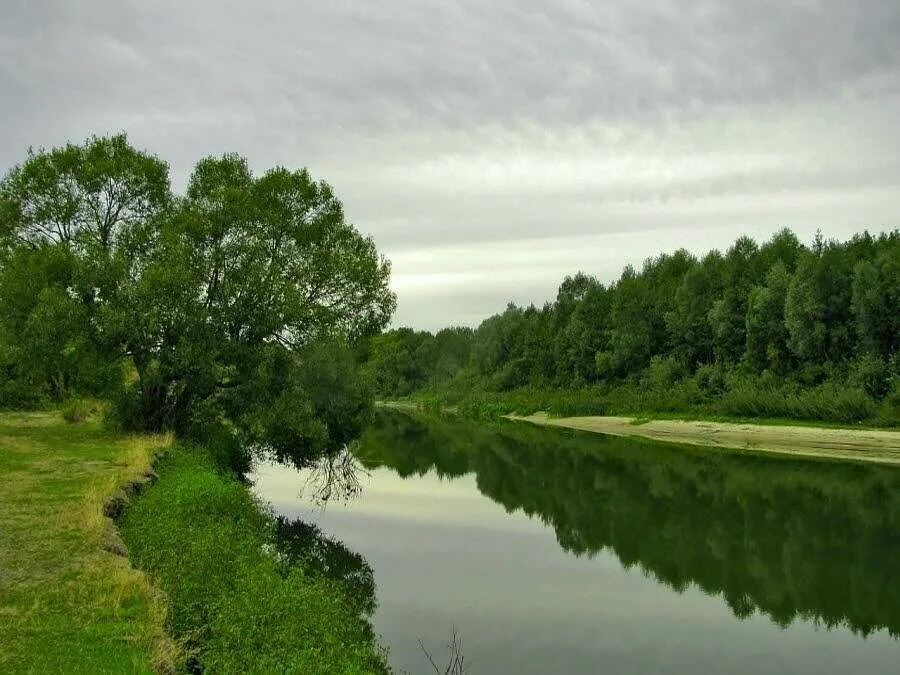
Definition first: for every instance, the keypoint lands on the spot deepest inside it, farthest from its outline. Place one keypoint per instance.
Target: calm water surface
(558, 552)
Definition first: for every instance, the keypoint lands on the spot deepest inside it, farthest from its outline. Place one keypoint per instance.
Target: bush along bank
(757, 399)
(246, 591)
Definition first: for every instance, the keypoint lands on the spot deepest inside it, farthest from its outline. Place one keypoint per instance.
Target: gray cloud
(554, 135)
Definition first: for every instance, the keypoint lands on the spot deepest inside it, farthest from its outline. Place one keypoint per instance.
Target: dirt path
(855, 444)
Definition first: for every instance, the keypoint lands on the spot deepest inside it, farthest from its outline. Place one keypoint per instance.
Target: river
(550, 551)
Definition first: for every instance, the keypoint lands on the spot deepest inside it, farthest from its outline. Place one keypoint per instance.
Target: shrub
(872, 374)
(77, 410)
(711, 380)
(19, 394)
(750, 397)
(663, 372)
(889, 411)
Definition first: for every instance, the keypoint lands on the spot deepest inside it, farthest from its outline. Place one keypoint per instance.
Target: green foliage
(889, 411)
(688, 322)
(88, 197)
(205, 314)
(777, 330)
(238, 599)
(873, 374)
(321, 402)
(636, 332)
(46, 337)
(77, 410)
(752, 398)
(875, 297)
(767, 335)
(394, 362)
(817, 306)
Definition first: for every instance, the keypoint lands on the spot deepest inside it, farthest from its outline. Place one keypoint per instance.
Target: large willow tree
(228, 305)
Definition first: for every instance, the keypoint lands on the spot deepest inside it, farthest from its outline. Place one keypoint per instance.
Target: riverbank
(69, 601)
(240, 598)
(211, 579)
(864, 445)
(867, 445)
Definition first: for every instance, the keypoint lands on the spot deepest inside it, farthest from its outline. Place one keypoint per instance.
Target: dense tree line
(779, 317)
(231, 307)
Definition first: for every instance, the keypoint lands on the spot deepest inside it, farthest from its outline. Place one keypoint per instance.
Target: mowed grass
(66, 603)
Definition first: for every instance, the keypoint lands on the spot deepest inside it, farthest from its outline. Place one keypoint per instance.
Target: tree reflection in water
(332, 475)
(304, 544)
(807, 540)
(335, 474)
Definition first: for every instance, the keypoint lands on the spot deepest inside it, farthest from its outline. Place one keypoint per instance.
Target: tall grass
(76, 410)
(826, 402)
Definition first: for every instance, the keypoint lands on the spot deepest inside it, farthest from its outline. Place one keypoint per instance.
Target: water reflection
(326, 476)
(793, 540)
(305, 545)
(334, 476)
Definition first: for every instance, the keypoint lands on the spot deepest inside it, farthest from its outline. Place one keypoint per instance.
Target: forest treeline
(778, 329)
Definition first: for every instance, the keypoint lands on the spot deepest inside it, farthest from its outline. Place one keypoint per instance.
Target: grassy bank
(66, 603)
(238, 600)
(236, 596)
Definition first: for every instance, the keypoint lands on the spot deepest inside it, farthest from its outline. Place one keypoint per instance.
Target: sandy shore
(854, 444)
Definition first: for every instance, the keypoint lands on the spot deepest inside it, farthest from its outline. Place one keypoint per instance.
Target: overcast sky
(491, 147)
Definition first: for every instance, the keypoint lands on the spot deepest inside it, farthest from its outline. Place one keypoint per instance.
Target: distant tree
(394, 364)
(767, 336)
(688, 332)
(875, 300)
(495, 340)
(635, 332)
(581, 336)
(727, 316)
(817, 306)
(453, 351)
(639, 307)
(688, 322)
(783, 247)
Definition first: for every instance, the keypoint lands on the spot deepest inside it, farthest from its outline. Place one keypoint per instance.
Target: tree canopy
(213, 307)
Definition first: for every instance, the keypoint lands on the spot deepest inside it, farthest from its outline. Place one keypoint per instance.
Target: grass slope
(66, 604)
(236, 602)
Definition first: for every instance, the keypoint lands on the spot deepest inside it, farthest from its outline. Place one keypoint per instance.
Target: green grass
(233, 601)
(236, 602)
(66, 604)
